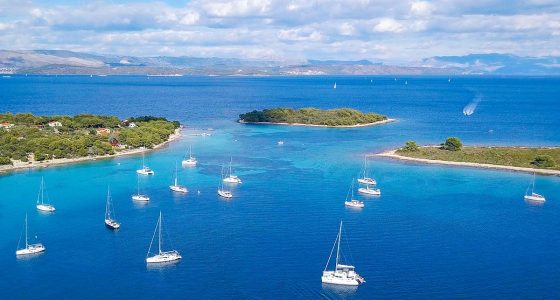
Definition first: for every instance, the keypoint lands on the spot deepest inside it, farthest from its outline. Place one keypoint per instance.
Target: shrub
(410, 146)
(5, 160)
(544, 161)
(452, 144)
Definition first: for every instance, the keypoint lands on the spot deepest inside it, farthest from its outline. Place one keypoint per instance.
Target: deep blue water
(436, 232)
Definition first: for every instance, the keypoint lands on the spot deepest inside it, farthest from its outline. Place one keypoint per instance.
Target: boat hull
(145, 172)
(45, 207)
(330, 278)
(373, 192)
(31, 249)
(538, 198)
(232, 180)
(189, 163)
(225, 194)
(178, 189)
(354, 204)
(164, 257)
(143, 198)
(112, 224)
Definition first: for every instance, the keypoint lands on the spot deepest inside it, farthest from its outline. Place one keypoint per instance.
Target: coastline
(389, 120)
(64, 161)
(392, 155)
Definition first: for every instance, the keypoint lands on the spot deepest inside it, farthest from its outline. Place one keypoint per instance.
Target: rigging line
(348, 247)
(330, 255)
(152, 241)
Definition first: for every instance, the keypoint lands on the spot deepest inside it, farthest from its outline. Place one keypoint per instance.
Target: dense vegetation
(31, 137)
(312, 116)
(543, 158)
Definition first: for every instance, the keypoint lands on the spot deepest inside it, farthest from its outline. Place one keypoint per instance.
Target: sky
(289, 30)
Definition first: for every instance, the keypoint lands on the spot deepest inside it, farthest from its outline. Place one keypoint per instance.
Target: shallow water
(435, 232)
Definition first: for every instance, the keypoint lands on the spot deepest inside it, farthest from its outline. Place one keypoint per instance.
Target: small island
(342, 117)
(541, 160)
(28, 141)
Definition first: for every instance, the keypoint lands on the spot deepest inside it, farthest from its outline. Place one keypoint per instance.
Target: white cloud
(421, 8)
(388, 25)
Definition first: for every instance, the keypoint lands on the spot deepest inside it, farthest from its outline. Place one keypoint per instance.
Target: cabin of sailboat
(161, 256)
(342, 274)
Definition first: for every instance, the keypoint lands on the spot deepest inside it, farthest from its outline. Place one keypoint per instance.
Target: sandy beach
(18, 165)
(327, 126)
(391, 154)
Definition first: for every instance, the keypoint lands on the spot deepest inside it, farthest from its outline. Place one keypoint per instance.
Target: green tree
(452, 144)
(5, 160)
(410, 146)
(544, 161)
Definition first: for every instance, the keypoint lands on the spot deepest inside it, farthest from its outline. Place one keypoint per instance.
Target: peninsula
(28, 141)
(342, 117)
(540, 160)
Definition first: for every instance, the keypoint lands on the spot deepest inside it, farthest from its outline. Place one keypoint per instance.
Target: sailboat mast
(338, 246)
(159, 239)
(230, 161)
(26, 244)
(176, 174)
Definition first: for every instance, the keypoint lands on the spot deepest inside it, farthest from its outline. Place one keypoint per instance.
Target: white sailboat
(138, 196)
(342, 274)
(41, 205)
(221, 191)
(231, 178)
(145, 169)
(29, 248)
(110, 221)
(191, 161)
(352, 202)
(176, 187)
(369, 191)
(161, 256)
(334, 86)
(533, 196)
(365, 179)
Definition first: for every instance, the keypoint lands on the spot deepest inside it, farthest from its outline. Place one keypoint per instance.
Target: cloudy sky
(390, 30)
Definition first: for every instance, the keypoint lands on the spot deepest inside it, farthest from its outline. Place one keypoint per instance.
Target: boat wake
(471, 107)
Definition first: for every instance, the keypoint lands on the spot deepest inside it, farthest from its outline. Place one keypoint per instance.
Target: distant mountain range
(62, 62)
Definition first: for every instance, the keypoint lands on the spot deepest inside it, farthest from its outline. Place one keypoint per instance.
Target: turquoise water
(438, 232)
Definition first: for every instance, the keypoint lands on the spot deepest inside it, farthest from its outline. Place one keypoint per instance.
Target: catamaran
(176, 187)
(533, 196)
(161, 256)
(353, 202)
(29, 248)
(191, 161)
(41, 205)
(221, 191)
(231, 178)
(342, 274)
(365, 179)
(138, 196)
(369, 191)
(145, 169)
(110, 222)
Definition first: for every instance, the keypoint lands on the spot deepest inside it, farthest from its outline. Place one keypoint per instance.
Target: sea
(436, 232)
